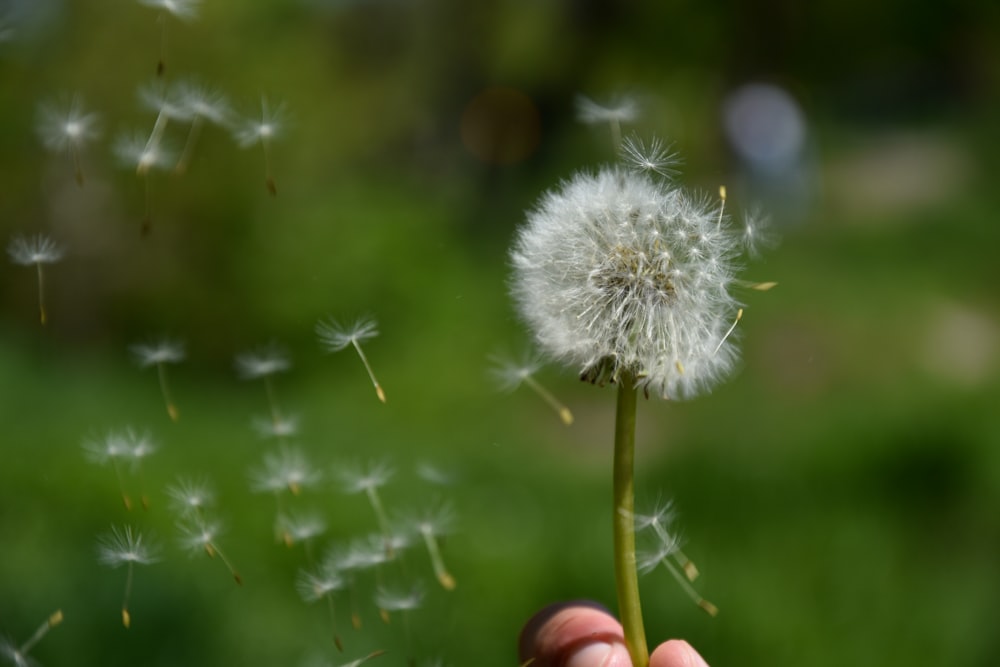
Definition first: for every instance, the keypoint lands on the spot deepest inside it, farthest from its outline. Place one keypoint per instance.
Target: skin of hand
(584, 634)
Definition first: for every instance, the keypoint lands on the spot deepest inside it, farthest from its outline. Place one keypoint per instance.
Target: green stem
(626, 577)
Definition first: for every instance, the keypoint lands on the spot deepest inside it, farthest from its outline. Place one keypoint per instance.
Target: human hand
(582, 634)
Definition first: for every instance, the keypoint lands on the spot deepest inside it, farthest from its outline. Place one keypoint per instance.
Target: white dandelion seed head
(270, 124)
(162, 351)
(301, 527)
(135, 150)
(650, 157)
(111, 447)
(334, 336)
(13, 654)
(399, 599)
(262, 362)
(623, 110)
(203, 102)
(33, 250)
(509, 374)
(182, 9)
(199, 535)
(190, 496)
(64, 127)
(125, 545)
(285, 426)
(357, 477)
(316, 583)
(285, 470)
(617, 272)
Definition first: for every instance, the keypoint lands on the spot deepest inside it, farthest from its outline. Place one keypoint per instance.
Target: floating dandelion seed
(184, 10)
(138, 446)
(135, 151)
(189, 498)
(286, 426)
(301, 528)
(18, 655)
(431, 525)
(112, 448)
(630, 279)
(126, 547)
(68, 129)
(252, 132)
(320, 583)
(624, 110)
(668, 552)
(654, 157)
(367, 479)
(36, 250)
(202, 104)
(201, 535)
(335, 337)
(286, 470)
(264, 362)
(511, 375)
(160, 353)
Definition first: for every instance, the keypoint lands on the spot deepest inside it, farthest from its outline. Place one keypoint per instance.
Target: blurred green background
(840, 495)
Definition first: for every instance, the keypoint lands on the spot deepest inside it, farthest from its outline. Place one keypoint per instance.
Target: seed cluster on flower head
(619, 271)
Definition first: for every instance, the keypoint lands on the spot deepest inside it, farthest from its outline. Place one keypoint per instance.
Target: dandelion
(133, 150)
(68, 129)
(510, 375)
(654, 158)
(185, 10)
(160, 353)
(367, 480)
(37, 250)
(629, 278)
(282, 428)
(668, 553)
(320, 583)
(202, 104)
(201, 535)
(263, 131)
(264, 362)
(335, 337)
(390, 600)
(190, 497)
(139, 446)
(431, 525)
(112, 448)
(168, 106)
(18, 655)
(301, 528)
(286, 470)
(624, 110)
(126, 547)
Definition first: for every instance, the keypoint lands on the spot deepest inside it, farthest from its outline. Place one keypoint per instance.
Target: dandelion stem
(383, 520)
(443, 576)
(172, 411)
(371, 374)
(216, 551)
(333, 623)
(616, 134)
(709, 608)
(564, 412)
(626, 577)
(272, 400)
(43, 316)
(192, 139)
(126, 617)
(272, 188)
(77, 166)
(121, 485)
(51, 622)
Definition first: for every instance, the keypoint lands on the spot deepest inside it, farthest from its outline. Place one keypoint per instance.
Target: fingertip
(676, 653)
(573, 634)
